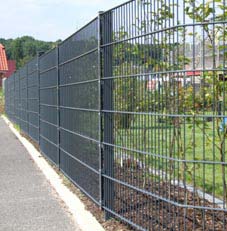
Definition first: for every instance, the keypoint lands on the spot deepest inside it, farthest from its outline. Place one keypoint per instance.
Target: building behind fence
(132, 109)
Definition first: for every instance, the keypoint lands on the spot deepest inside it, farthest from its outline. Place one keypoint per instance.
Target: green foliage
(24, 48)
(205, 12)
(129, 58)
(187, 138)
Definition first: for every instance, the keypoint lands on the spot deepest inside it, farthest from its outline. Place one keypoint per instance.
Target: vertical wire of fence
(132, 109)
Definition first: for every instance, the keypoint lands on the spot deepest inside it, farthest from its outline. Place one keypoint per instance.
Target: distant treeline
(24, 48)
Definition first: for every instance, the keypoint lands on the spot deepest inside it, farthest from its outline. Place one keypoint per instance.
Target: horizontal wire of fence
(132, 109)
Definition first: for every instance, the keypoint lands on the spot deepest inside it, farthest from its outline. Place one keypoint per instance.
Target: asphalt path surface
(27, 200)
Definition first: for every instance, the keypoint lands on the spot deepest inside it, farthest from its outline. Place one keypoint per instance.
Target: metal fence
(132, 109)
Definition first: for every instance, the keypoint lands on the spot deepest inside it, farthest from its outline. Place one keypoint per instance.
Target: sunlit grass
(152, 139)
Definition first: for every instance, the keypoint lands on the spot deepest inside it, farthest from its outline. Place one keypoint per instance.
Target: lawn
(154, 144)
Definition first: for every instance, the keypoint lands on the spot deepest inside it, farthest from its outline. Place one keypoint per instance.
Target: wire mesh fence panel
(79, 137)
(165, 148)
(6, 94)
(6, 97)
(17, 97)
(23, 99)
(11, 92)
(133, 110)
(49, 113)
(33, 99)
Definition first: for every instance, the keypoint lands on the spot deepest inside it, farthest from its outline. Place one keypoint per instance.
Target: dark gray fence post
(38, 70)
(58, 107)
(19, 102)
(27, 115)
(13, 115)
(100, 108)
(107, 101)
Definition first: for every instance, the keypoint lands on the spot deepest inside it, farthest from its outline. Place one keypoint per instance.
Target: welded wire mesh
(168, 146)
(23, 99)
(6, 89)
(11, 97)
(79, 102)
(132, 108)
(49, 113)
(17, 98)
(33, 99)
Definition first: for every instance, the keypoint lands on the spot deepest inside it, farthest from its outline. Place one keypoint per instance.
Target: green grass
(1, 93)
(193, 144)
(17, 127)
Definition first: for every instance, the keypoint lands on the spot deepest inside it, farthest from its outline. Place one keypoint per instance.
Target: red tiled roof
(3, 60)
(193, 73)
(11, 68)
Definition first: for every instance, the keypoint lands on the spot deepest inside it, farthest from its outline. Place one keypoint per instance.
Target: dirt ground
(149, 212)
(153, 213)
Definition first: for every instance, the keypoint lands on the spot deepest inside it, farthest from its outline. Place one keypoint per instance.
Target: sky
(48, 20)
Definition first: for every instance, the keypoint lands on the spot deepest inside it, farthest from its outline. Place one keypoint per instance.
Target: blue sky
(48, 20)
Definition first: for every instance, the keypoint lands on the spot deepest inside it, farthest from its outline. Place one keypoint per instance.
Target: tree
(25, 48)
(173, 99)
(201, 13)
(17, 50)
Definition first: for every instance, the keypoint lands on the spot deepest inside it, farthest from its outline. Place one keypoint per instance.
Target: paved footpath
(27, 200)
